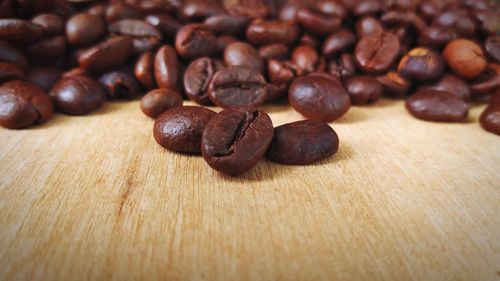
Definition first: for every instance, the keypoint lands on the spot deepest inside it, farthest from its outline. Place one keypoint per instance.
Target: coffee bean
(237, 86)
(107, 55)
(488, 82)
(158, 101)
(222, 42)
(276, 92)
(83, 29)
(77, 95)
(307, 59)
(262, 32)
(52, 24)
(9, 72)
(251, 9)
(11, 54)
(366, 7)
(274, 51)
(368, 26)
(45, 51)
(437, 106)
(44, 77)
(344, 67)
(451, 84)
(20, 31)
(280, 73)
(197, 77)
(492, 47)
(121, 11)
(235, 140)
(179, 129)
(23, 104)
(167, 68)
(309, 40)
(316, 22)
(436, 36)
(77, 71)
(465, 58)
(166, 23)
(490, 118)
(227, 24)
(363, 89)
(332, 8)
(377, 52)
(193, 41)
(120, 85)
(194, 10)
(421, 64)
(319, 98)
(457, 20)
(495, 98)
(487, 21)
(339, 41)
(243, 54)
(394, 85)
(146, 37)
(302, 143)
(144, 71)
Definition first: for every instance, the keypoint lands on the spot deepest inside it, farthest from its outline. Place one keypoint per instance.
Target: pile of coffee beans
(71, 56)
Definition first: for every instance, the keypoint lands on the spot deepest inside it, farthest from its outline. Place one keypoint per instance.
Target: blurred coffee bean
(20, 31)
(11, 54)
(366, 7)
(45, 51)
(316, 22)
(421, 64)
(120, 85)
(227, 24)
(9, 72)
(166, 23)
(107, 55)
(52, 24)
(158, 101)
(490, 118)
(144, 71)
(343, 67)
(437, 106)
(121, 11)
(451, 84)
(167, 68)
(77, 95)
(146, 37)
(197, 77)
(222, 42)
(465, 58)
(243, 54)
(363, 89)
(368, 26)
(84, 29)
(262, 32)
(337, 42)
(307, 59)
(193, 41)
(377, 52)
(492, 47)
(394, 85)
(274, 51)
(195, 10)
(44, 77)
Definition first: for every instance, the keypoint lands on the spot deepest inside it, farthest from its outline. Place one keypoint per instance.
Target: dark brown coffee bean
(179, 129)
(421, 64)
(319, 98)
(394, 85)
(262, 32)
(339, 41)
(243, 54)
(77, 95)
(237, 86)
(488, 82)
(222, 42)
(98, 10)
(121, 11)
(146, 37)
(9, 72)
(289, 10)
(427, 9)
(194, 10)
(368, 26)
(465, 58)
(251, 9)
(377, 52)
(193, 41)
(107, 55)
(316, 22)
(307, 59)
(436, 36)
(451, 84)
(366, 7)
(332, 8)
(492, 47)
(158, 101)
(20, 31)
(11, 54)
(437, 106)
(227, 24)
(23, 104)
(302, 143)
(363, 89)
(197, 77)
(457, 20)
(490, 118)
(167, 24)
(45, 51)
(77, 71)
(344, 67)
(309, 40)
(120, 85)
(144, 71)
(167, 68)
(235, 140)
(280, 73)
(276, 92)
(44, 77)
(274, 51)
(84, 29)
(488, 22)
(52, 24)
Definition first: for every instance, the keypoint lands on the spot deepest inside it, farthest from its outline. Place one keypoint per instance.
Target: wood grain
(95, 198)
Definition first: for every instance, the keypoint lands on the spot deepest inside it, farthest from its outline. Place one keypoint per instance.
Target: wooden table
(95, 198)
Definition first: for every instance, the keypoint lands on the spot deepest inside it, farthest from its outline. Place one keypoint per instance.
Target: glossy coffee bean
(76, 71)
(158, 101)
(366, 7)
(492, 47)
(250, 9)
(436, 36)
(394, 85)
(421, 64)
(44, 77)
(490, 118)
(339, 41)
(237, 86)
(107, 55)
(465, 58)
(52, 24)
(19, 31)
(319, 98)
(197, 77)
(302, 143)
(307, 59)
(451, 84)
(309, 40)
(363, 89)
(222, 42)
(235, 140)
(84, 29)
(77, 95)
(47, 50)
(11, 54)
(193, 41)
(368, 26)
(167, 68)
(437, 106)
(144, 70)
(169, 25)
(332, 7)
(276, 92)
(227, 24)
(146, 36)
(262, 32)
(194, 10)
(377, 52)
(23, 104)
(316, 22)
(343, 67)
(274, 51)
(121, 11)
(9, 72)
(120, 85)
(280, 73)
(243, 54)
(179, 129)
(457, 20)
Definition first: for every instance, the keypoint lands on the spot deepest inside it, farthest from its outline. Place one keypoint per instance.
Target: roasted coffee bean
(120, 85)
(11, 54)
(194, 10)
(179, 129)
(146, 37)
(194, 40)
(488, 22)
(98, 10)
(107, 55)
(319, 98)
(276, 92)
(167, 68)
(243, 54)
(302, 143)
(20, 31)
(52, 24)
(437, 106)
(368, 26)
(144, 70)
(307, 59)
(436, 36)
(280, 73)
(488, 82)
(339, 41)
(427, 9)
(490, 118)
(492, 47)
(237, 86)
(457, 20)
(84, 29)
(251, 9)
(262, 32)
(227, 24)
(235, 140)
(465, 58)
(23, 104)
(344, 67)
(366, 7)
(44, 77)
(332, 8)
(197, 77)
(121, 11)
(377, 52)
(451, 84)
(158, 101)
(394, 85)
(316, 22)
(421, 64)
(45, 51)
(222, 42)
(166, 23)
(289, 10)
(10, 71)
(363, 89)
(77, 95)
(309, 40)
(77, 71)
(274, 51)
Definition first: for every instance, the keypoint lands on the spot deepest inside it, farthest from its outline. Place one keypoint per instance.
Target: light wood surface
(95, 198)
